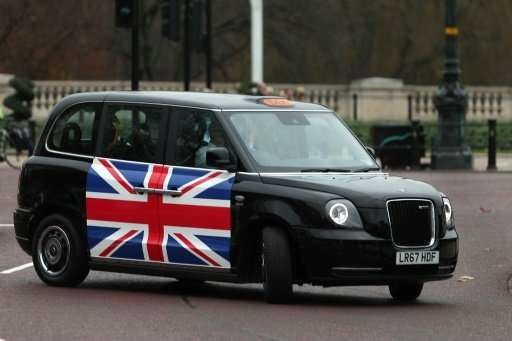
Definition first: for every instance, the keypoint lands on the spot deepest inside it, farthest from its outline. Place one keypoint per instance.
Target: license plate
(417, 257)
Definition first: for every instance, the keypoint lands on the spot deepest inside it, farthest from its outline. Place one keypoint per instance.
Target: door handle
(142, 190)
(171, 192)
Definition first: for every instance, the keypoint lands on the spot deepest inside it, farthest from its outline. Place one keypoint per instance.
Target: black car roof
(213, 101)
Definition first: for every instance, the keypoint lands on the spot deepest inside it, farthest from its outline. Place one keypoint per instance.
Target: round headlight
(339, 213)
(448, 212)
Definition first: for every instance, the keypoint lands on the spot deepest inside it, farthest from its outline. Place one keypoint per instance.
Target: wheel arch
(68, 211)
(250, 262)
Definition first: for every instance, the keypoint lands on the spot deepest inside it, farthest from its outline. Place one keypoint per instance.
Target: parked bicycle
(15, 143)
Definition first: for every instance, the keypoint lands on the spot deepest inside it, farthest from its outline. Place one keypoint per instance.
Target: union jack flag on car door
(131, 215)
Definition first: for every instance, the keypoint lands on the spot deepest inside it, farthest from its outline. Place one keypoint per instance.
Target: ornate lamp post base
(452, 158)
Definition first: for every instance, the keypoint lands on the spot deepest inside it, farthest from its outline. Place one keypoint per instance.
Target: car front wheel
(58, 252)
(405, 291)
(276, 266)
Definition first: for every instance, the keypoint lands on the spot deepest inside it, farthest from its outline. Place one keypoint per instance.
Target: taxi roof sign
(276, 102)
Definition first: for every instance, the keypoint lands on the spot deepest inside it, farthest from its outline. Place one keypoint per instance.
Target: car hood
(363, 189)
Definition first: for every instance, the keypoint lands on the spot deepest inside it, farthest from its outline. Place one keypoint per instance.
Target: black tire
(59, 252)
(276, 266)
(407, 291)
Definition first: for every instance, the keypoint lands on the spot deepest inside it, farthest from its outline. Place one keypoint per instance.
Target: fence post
(416, 162)
(409, 107)
(491, 147)
(32, 130)
(354, 103)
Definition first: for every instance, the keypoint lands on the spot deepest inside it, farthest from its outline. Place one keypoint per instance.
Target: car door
(124, 182)
(196, 214)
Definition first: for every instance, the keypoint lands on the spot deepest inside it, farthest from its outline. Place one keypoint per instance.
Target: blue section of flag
(178, 254)
(95, 183)
(182, 176)
(219, 245)
(133, 172)
(221, 191)
(131, 249)
(96, 234)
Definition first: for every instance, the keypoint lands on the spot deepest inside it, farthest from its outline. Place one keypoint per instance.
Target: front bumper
(354, 257)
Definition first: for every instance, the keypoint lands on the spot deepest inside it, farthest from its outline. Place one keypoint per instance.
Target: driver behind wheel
(212, 137)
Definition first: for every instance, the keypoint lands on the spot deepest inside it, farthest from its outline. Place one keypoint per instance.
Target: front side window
(74, 131)
(197, 131)
(132, 133)
(300, 141)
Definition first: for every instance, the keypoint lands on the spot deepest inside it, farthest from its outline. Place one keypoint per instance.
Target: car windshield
(287, 141)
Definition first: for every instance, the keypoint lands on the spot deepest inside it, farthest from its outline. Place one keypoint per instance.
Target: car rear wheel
(58, 252)
(276, 266)
(406, 291)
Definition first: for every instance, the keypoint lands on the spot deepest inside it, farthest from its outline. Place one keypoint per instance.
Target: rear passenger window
(73, 132)
(197, 131)
(132, 133)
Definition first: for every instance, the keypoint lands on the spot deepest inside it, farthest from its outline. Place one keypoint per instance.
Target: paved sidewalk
(504, 162)
(480, 160)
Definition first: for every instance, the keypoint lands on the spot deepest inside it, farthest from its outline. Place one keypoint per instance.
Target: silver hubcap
(53, 250)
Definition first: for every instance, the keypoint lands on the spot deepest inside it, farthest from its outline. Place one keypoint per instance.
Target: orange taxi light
(276, 102)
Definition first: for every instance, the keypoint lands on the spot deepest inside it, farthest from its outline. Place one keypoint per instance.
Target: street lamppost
(257, 41)
(450, 150)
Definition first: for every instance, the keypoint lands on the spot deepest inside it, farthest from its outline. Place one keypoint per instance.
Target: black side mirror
(371, 151)
(218, 157)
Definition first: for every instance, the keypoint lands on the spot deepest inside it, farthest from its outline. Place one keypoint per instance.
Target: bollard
(491, 146)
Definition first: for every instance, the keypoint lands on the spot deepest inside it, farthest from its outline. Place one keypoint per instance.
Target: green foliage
(19, 102)
(362, 130)
(246, 88)
(476, 134)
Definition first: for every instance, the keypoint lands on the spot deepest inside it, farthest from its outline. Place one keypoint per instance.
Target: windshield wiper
(326, 170)
(340, 170)
(367, 169)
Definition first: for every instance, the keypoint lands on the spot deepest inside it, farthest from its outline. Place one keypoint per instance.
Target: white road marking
(6, 225)
(18, 268)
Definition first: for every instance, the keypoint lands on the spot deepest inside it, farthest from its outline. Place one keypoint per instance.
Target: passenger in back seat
(71, 137)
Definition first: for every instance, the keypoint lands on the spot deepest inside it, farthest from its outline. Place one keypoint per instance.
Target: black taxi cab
(216, 187)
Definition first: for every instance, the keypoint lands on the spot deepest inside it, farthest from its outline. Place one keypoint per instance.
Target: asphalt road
(114, 306)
